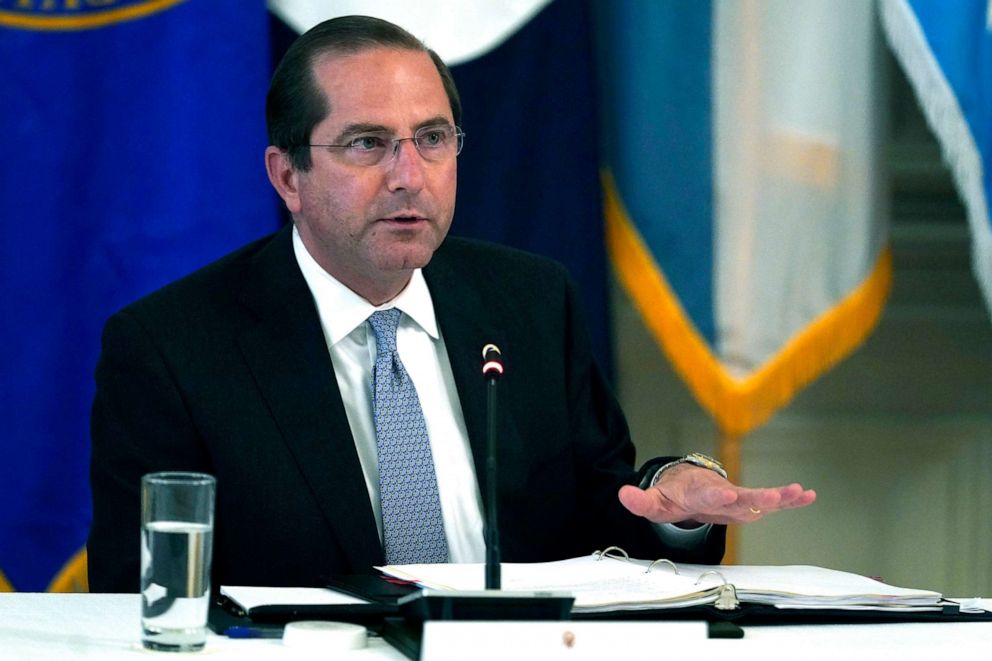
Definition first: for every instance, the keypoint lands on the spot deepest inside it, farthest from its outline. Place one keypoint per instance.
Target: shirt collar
(342, 310)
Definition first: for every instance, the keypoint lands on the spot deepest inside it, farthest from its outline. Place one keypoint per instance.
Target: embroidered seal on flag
(76, 14)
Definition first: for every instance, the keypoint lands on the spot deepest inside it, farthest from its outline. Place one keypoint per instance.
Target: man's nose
(405, 170)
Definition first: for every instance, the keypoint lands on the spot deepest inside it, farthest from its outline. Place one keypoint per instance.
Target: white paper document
(248, 597)
(606, 583)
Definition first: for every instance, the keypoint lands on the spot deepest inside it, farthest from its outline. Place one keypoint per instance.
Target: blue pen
(252, 632)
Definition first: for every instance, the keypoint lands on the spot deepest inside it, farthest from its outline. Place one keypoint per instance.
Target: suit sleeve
(605, 457)
(139, 424)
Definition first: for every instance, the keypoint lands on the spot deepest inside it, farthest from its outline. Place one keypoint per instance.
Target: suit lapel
(466, 326)
(286, 351)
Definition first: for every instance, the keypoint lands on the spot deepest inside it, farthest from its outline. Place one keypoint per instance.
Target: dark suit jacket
(227, 372)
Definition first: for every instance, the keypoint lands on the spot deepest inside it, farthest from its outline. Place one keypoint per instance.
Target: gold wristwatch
(696, 459)
(704, 461)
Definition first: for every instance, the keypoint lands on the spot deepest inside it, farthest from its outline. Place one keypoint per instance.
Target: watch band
(696, 459)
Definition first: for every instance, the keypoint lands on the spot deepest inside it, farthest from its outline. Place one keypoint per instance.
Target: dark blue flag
(133, 135)
(741, 191)
(529, 174)
(945, 48)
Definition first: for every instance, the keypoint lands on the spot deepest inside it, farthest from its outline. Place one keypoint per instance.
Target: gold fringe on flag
(43, 19)
(5, 585)
(738, 405)
(73, 577)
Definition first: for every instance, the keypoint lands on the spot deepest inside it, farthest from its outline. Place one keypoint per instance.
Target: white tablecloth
(107, 627)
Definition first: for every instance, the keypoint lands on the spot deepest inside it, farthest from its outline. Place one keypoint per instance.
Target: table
(107, 627)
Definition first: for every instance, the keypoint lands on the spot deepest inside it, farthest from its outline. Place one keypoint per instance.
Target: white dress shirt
(351, 342)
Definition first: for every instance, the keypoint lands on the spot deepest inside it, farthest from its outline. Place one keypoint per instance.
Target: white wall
(897, 441)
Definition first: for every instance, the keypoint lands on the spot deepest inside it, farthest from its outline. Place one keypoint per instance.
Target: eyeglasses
(433, 143)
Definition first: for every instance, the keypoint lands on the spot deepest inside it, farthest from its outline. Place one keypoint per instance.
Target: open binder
(610, 585)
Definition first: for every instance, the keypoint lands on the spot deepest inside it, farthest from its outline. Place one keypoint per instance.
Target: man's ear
(283, 176)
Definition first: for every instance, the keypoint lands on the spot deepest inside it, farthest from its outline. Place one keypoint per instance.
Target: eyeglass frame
(458, 135)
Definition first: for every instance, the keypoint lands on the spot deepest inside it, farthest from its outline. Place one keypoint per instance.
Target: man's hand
(692, 493)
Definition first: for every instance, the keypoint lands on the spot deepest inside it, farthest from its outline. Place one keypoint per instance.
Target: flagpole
(729, 453)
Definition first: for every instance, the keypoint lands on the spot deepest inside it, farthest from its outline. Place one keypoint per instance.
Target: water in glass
(175, 584)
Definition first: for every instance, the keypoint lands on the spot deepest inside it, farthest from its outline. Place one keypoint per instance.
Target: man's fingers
(683, 500)
(762, 500)
(801, 498)
(659, 506)
(775, 499)
(793, 496)
(710, 500)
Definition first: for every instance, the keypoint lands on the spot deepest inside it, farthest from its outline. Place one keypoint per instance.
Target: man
(276, 368)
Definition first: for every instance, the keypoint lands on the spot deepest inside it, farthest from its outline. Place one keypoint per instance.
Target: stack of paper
(605, 583)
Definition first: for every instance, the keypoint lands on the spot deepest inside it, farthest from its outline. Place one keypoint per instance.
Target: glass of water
(177, 525)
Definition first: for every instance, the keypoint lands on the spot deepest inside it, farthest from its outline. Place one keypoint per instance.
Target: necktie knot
(384, 324)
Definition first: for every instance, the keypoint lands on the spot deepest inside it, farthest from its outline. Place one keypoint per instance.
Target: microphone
(492, 361)
(492, 369)
(491, 603)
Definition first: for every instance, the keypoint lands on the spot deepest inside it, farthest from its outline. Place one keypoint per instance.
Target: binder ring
(665, 561)
(726, 599)
(715, 573)
(606, 553)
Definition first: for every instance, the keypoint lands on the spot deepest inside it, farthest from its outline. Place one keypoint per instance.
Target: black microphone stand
(491, 603)
(492, 369)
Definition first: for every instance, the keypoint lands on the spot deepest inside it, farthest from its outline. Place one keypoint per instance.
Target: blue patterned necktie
(412, 525)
